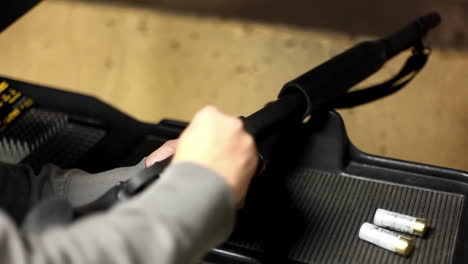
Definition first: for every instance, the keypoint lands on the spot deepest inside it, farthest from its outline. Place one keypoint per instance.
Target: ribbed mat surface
(42, 136)
(28, 133)
(70, 144)
(334, 206)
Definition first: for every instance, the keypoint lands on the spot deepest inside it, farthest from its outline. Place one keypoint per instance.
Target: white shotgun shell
(386, 239)
(400, 222)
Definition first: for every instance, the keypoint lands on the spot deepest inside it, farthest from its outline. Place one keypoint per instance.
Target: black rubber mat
(333, 207)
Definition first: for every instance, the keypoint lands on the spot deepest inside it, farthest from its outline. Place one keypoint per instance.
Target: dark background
(10, 10)
(359, 17)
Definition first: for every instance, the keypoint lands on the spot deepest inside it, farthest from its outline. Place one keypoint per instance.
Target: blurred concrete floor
(156, 64)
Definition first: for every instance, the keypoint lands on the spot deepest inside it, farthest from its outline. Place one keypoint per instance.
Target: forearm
(21, 188)
(80, 187)
(188, 211)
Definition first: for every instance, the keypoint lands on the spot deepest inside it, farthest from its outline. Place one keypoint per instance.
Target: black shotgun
(322, 88)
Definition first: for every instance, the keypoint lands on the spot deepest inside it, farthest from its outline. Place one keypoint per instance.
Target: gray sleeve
(80, 187)
(21, 188)
(177, 220)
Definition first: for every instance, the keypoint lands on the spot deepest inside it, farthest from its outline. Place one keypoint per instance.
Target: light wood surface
(152, 64)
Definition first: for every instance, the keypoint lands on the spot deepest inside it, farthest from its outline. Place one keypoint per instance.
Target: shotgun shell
(386, 239)
(400, 222)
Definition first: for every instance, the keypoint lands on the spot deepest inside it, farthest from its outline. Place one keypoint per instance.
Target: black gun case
(307, 206)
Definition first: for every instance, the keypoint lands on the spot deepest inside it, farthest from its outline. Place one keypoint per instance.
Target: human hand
(219, 142)
(165, 151)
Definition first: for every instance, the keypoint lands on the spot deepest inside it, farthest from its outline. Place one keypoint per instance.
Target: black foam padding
(50, 137)
(36, 126)
(330, 208)
(68, 146)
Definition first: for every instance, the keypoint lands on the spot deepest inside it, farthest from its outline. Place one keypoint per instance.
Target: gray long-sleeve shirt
(189, 210)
